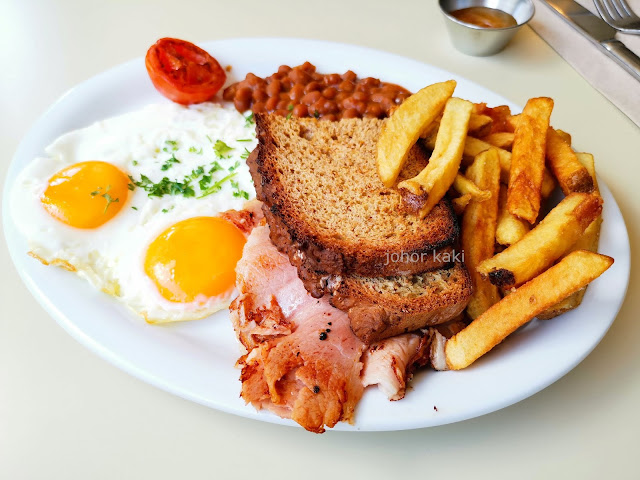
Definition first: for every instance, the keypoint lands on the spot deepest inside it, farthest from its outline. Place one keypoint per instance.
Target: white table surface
(67, 414)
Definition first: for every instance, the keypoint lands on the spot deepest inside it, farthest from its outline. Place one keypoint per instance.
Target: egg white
(111, 257)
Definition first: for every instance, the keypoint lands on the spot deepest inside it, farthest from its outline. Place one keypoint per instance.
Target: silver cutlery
(598, 31)
(619, 15)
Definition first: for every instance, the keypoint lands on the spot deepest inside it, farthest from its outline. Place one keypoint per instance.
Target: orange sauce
(485, 17)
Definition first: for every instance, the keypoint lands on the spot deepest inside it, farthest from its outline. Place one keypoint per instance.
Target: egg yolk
(195, 257)
(86, 194)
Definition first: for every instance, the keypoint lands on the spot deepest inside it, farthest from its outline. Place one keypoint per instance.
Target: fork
(619, 15)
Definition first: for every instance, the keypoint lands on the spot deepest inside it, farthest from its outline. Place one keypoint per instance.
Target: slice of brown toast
(386, 306)
(328, 209)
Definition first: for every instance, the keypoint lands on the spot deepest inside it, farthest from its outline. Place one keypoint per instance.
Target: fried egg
(132, 204)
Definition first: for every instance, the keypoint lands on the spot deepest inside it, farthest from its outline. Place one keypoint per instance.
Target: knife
(598, 31)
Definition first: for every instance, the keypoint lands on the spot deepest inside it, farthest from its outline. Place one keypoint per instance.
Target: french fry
(474, 146)
(510, 228)
(460, 203)
(512, 122)
(499, 116)
(528, 158)
(464, 186)
(588, 241)
(403, 128)
(480, 125)
(563, 162)
(572, 273)
(479, 230)
(548, 241)
(564, 135)
(440, 173)
(500, 140)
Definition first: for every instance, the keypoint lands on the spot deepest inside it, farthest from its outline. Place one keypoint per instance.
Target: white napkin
(602, 72)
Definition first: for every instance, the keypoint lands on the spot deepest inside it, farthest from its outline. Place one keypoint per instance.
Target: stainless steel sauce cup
(481, 41)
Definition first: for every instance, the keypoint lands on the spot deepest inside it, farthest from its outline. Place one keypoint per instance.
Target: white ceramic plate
(195, 360)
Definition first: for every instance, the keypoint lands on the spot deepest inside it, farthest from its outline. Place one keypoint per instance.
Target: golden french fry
(498, 115)
(563, 162)
(479, 230)
(510, 228)
(527, 160)
(564, 135)
(440, 173)
(548, 241)
(572, 273)
(500, 140)
(588, 241)
(480, 125)
(460, 203)
(403, 128)
(463, 185)
(474, 146)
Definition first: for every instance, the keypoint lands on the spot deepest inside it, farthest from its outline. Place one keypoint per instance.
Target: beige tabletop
(67, 414)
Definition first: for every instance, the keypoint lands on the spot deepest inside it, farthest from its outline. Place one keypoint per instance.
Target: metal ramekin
(479, 41)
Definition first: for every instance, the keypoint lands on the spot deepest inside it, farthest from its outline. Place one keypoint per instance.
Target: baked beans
(302, 92)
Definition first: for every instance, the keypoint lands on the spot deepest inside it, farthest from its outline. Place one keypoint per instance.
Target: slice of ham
(301, 359)
(303, 362)
(388, 364)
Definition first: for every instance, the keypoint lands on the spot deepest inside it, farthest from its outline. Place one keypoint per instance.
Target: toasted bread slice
(386, 306)
(327, 207)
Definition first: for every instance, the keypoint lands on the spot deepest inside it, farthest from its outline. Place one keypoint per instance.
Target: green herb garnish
(167, 165)
(195, 150)
(221, 149)
(245, 154)
(164, 187)
(248, 120)
(216, 187)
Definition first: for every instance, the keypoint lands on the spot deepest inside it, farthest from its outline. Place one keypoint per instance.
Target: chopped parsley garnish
(167, 165)
(316, 114)
(215, 166)
(173, 144)
(135, 162)
(164, 187)
(106, 196)
(110, 200)
(167, 210)
(248, 120)
(195, 150)
(131, 186)
(209, 138)
(237, 192)
(290, 107)
(244, 139)
(204, 182)
(235, 165)
(216, 187)
(135, 208)
(288, 117)
(221, 149)
(245, 154)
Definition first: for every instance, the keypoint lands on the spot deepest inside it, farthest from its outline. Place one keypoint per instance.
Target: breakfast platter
(196, 359)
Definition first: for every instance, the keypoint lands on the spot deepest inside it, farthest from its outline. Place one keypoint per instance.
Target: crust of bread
(379, 308)
(326, 205)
